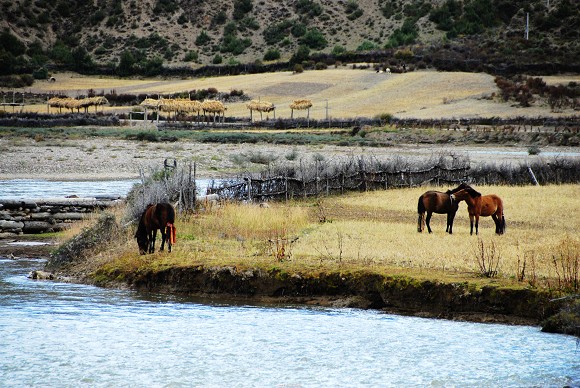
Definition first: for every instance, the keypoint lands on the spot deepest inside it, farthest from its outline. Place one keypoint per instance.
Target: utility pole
(527, 33)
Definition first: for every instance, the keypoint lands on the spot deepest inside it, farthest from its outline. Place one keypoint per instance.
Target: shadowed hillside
(148, 37)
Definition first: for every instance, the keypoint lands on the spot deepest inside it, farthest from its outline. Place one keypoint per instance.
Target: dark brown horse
(482, 206)
(437, 202)
(160, 217)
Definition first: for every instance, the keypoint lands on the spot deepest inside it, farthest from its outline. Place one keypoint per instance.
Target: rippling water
(37, 188)
(34, 188)
(65, 335)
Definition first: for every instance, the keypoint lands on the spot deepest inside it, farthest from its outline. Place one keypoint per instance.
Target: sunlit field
(377, 231)
(341, 92)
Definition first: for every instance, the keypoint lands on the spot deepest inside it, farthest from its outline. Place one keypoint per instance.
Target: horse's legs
(471, 224)
(497, 224)
(163, 237)
(169, 236)
(428, 220)
(476, 224)
(153, 237)
(450, 218)
(421, 222)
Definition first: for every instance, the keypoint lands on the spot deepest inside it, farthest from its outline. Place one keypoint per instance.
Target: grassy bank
(346, 246)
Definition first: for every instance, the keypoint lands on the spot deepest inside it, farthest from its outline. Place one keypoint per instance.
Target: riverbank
(397, 295)
(108, 158)
(359, 250)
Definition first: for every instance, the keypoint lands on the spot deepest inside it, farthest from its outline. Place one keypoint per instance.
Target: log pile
(31, 216)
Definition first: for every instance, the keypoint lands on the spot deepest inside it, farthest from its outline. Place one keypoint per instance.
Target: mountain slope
(81, 33)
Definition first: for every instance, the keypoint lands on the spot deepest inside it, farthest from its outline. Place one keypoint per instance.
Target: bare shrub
(527, 268)
(280, 245)
(487, 257)
(565, 261)
(173, 185)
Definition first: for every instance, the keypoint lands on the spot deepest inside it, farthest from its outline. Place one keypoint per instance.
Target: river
(68, 335)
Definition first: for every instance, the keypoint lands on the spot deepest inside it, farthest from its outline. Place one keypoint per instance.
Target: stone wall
(31, 216)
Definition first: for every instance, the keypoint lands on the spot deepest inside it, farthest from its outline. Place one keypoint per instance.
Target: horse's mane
(141, 229)
(472, 192)
(462, 186)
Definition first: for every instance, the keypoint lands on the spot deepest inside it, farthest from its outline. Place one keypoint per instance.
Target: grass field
(377, 232)
(348, 92)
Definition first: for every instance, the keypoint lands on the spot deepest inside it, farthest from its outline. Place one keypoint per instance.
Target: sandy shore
(107, 159)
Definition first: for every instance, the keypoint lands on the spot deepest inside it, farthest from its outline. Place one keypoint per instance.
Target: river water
(68, 335)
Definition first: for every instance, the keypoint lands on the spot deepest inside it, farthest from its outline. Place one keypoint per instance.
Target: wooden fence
(360, 176)
(284, 187)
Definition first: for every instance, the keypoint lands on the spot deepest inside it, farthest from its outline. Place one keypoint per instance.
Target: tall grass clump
(565, 259)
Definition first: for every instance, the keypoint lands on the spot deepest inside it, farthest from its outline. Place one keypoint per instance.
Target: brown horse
(437, 202)
(484, 206)
(159, 216)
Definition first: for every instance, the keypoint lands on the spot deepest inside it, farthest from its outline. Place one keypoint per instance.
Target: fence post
(249, 180)
(534, 180)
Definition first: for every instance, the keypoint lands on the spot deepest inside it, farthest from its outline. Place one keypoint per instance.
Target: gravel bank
(107, 159)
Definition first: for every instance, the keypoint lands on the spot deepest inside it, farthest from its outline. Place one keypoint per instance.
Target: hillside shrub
(16, 81)
(314, 39)
(308, 8)
(241, 8)
(40, 73)
(272, 55)
(276, 32)
(202, 39)
(191, 56)
(405, 35)
(367, 46)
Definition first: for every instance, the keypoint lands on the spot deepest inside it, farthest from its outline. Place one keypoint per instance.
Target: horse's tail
(503, 225)
(170, 227)
(421, 210)
(170, 232)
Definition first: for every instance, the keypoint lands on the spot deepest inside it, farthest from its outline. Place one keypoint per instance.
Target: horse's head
(142, 242)
(464, 195)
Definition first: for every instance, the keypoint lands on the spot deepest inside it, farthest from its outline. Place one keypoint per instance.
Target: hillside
(142, 37)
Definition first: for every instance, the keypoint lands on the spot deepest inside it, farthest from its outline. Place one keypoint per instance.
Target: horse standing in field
(160, 217)
(437, 202)
(482, 206)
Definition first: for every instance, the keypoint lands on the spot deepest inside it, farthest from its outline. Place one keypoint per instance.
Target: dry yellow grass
(377, 231)
(349, 92)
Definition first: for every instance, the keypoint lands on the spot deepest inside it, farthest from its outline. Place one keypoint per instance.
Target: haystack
(215, 107)
(72, 103)
(300, 105)
(261, 106)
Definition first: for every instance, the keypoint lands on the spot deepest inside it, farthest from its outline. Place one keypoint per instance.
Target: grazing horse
(437, 202)
(159, 216)
(484, 206)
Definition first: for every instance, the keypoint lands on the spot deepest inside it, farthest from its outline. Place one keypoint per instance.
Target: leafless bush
(487, 258)
(565, 261)
(280, 245)
(173, 185)
(527, 268)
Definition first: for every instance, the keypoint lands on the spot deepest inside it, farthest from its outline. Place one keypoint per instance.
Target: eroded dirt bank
(400, 295)
(392, 294)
